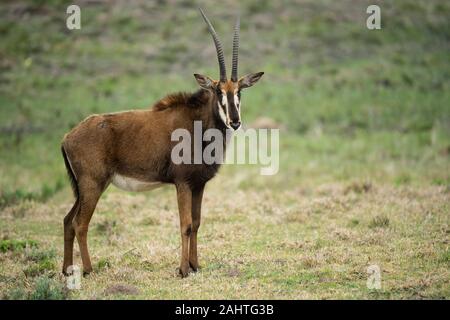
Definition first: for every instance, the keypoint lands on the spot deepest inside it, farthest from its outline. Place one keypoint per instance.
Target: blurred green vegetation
(16, 245)
(356, 103)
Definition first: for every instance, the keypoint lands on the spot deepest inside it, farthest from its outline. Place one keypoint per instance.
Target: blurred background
(359, 110)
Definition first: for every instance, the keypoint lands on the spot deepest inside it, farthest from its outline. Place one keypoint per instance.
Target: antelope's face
(227, 92)
(228, 96)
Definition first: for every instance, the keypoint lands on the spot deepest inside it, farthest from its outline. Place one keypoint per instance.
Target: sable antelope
(132, 150)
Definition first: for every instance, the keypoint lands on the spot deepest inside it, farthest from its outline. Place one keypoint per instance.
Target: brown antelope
(132, 150)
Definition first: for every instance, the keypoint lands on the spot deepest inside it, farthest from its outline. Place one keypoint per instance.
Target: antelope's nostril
(235, 125)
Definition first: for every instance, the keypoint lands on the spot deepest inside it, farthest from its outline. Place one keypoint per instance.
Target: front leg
(197, 194)
(184, 197)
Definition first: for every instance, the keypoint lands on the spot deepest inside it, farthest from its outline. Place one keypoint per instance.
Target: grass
(10, 197)
(364, 173)
(39, 262)
(15, 245)
(44, 289)
(252, 247)
(379, 222)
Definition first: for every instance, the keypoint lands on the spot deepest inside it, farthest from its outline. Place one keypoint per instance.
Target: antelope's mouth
(235, 125)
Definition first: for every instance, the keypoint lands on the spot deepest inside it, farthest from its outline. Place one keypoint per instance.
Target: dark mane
(182, 99)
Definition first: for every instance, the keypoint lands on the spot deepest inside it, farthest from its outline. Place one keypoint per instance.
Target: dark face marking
(220, 96)
(233, 108)
(228, 94)
(228, 97)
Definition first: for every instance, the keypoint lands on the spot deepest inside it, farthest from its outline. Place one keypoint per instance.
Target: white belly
(131, 184)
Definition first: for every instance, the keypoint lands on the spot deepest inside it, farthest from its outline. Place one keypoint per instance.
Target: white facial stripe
(236, 100)
(222, 115)
(237, 104)
(225, 103)
(224, 100)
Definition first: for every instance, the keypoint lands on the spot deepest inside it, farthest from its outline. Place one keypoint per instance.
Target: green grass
(364, 154)
(16, 245)
(44, 289)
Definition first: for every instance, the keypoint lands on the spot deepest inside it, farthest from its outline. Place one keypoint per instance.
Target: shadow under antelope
(132, 150)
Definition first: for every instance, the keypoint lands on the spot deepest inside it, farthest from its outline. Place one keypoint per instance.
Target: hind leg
(69, 236)
(89, 192)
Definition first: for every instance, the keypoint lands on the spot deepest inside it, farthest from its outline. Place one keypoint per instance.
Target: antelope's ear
(249, 80)
(204, 81)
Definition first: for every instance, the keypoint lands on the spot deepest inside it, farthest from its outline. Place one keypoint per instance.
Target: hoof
(194, 267)
(87, 272)
(65, 273)
(183, 273)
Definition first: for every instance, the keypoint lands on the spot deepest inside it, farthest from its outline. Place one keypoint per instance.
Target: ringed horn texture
(234, 66)
(220, 57)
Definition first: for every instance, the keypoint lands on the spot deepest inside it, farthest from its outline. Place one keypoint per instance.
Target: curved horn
(234, 66)
(220, 57)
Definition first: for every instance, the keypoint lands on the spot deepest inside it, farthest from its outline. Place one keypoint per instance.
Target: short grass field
(364, 173)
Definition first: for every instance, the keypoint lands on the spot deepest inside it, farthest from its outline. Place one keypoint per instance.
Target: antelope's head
(227, 92)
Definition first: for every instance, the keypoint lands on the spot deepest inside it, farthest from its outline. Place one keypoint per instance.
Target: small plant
(39, 268)
(110, 229)
(150, 221)
(48, 289)
(8, 198)
(39, 255)
(403, 179)
(103, 264)
(359, 187)
(16, 245)
(445, 257)
(106, 226)
(47, 191)
(379, 222)
(42, 261)
(16, 293)
(353, 222)
(44, 288)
